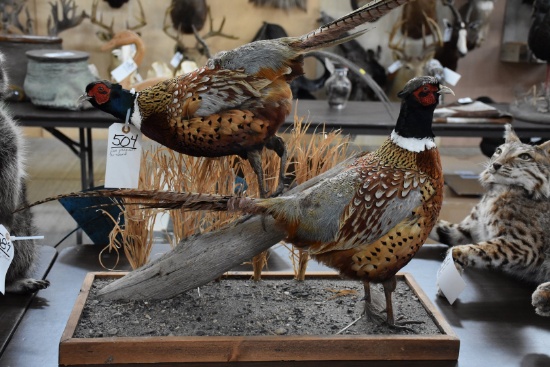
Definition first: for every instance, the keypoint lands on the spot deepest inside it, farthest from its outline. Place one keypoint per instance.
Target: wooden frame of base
(193, 349)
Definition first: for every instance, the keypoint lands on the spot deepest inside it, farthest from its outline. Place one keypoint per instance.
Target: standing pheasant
(235, 103)
(369, 217)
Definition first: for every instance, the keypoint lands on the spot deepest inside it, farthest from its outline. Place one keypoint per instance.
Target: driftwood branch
(197, 260)
(200, 259)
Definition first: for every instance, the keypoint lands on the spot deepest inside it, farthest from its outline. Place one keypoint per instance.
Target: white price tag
(122, 71)
(123, 157)
(449, 280)
(451, 77)
(6, 256)
(394, 67)
(176, 59)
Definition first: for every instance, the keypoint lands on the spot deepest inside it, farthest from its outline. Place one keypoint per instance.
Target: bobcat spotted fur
(12, 196)
(509, 229)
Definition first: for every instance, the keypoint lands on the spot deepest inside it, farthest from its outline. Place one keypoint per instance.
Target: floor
(53, 169)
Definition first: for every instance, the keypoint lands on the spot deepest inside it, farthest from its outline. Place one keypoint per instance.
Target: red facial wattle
(426, 95)
(100, 93)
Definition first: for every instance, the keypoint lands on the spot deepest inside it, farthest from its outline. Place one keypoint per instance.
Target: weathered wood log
(200, 259)
(197, 260)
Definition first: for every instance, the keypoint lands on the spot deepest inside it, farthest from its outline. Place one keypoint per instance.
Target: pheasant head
(420, 96)
(111, 98)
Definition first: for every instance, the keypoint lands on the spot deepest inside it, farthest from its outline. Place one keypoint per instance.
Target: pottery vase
(56, 79)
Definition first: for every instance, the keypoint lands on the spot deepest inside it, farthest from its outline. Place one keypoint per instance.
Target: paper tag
(123, 157)
(449, 280)
(122, 71)
(395, 66)
(451, 77)
(6, 256)
(176, 59)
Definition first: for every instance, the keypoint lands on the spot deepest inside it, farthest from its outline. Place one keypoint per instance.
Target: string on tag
(21, 238)
(126, 127)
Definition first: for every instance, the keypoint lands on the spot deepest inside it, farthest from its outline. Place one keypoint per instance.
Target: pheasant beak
(83, 98)
(445, 90)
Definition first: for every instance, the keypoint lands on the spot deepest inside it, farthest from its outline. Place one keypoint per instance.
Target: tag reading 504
(123, 156)
(126, 141)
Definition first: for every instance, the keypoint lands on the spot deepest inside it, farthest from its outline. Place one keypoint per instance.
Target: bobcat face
(515, 164)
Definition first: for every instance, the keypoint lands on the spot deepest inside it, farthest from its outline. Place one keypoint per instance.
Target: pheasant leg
(255, 159)
(372, 314)
(370, 311)
(389, 287)
(259, 261)
(277, 144)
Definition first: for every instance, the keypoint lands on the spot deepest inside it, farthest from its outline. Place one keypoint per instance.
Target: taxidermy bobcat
(12, 196)
(509, 229)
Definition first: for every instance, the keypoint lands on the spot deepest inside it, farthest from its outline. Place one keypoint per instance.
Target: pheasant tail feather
(328, 33)
(154, 199)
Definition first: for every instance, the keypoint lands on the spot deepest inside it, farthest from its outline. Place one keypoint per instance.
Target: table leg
(90, 157)
(83, 157)
(83, 149)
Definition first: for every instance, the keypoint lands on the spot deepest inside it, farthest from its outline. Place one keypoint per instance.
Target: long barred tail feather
(366, 14)
(154, 199)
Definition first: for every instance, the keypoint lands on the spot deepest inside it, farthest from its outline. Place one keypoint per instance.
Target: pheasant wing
(207, 92)
(386, 198)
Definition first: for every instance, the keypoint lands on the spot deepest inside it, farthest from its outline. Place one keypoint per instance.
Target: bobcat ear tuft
(545, 146)
(509, 134)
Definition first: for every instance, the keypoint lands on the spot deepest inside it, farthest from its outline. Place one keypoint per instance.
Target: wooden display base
(187, 349)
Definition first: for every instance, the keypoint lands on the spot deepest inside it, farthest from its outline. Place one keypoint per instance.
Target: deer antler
(70, 18)
(142, 20)
(218, 32)
(397, 46)
(428, 50)
(166, 26)
(104, 36)
(10, 12)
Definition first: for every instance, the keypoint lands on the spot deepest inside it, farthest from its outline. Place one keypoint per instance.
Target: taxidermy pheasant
(237, 102)
(367, 218)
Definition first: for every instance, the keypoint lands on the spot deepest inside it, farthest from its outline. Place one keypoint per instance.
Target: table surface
(369, 118)
(493, 317)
